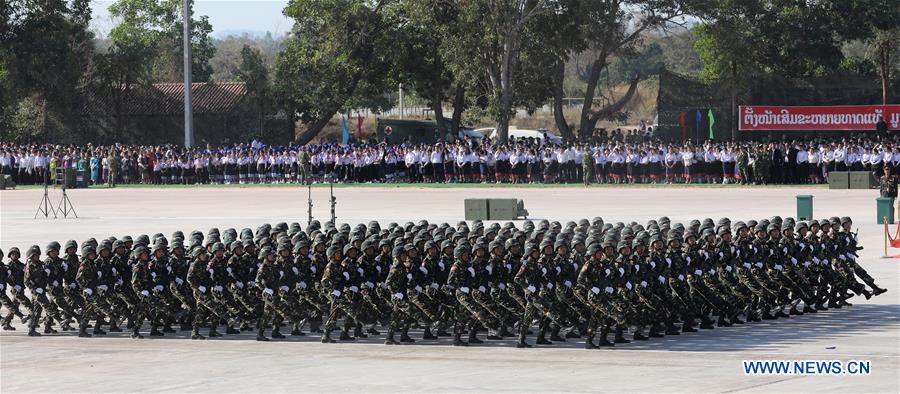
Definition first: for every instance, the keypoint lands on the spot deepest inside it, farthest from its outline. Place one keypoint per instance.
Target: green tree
(45, 64)
(607, 29)
(255, 74)
(156, 26)
(339, 53)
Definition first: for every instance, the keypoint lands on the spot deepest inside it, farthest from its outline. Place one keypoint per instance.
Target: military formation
(548, 281)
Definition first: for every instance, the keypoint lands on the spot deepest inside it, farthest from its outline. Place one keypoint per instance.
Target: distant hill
(250, 33)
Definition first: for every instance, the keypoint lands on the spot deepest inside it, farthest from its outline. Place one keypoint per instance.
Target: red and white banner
(818, 118)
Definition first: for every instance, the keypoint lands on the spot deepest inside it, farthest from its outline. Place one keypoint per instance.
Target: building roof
(167, 99)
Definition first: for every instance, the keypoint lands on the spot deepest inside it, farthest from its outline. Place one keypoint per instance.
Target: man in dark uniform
(888, 185)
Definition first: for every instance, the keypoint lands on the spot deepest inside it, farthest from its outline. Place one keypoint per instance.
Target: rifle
(309, 205)
(333, 203)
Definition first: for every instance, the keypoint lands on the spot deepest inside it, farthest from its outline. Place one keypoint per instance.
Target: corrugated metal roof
(167, 99)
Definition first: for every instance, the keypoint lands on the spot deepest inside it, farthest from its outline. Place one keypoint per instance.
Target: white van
(517, 133)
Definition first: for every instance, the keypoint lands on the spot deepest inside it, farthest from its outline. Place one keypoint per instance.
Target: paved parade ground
(708, 361)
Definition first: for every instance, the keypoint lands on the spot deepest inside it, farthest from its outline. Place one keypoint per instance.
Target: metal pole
(188, 108)
(401, 101)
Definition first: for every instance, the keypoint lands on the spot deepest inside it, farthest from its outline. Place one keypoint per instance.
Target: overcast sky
(226, 16)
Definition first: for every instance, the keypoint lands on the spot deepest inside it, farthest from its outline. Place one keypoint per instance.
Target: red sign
(388, 130)
(819, 118)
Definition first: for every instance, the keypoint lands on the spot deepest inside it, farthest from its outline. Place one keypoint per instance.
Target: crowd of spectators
(469, 161)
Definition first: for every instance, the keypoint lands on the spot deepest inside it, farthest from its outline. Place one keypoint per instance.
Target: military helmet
(460, 251)
(71, 244)
(53, 247)
(13, 250)
(264, 252)
(332, 250)
(138, 251)
(88, 249)
(34, 250)
(104, 245)
(218, 246)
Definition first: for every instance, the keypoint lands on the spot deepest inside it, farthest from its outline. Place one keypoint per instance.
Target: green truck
(394, 131)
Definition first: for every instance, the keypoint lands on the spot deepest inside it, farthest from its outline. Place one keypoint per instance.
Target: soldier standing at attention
(303, 159)
(889, 185)
(113, 163)
(587, 166)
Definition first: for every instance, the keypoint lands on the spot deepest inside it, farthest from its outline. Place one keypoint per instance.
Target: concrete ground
(709, 361)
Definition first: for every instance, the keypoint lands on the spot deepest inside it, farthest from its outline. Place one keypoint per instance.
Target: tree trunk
(507, 70)
(586, 127)
(558, 116)
(885, 57)
(303, 138)
(734, 101)
(459, 105)
(611, 109)
(438, 108)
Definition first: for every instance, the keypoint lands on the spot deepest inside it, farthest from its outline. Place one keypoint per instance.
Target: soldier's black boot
(428, 335)
(345, 336)
(521, 344)
(135, 334)
(877, 290)
(155, 332)
(589, 342)
(867, 294)
(735, 319)
(213, 330)
(781, 313)
(98, 330)
(504, 332)
(473, 338)
(231, 330)
(721, 322)
(389, 340)
(554, 335)
(8, 327)
(114, 326)
(603, 342)
(542, 337)
(66, 325)
(82, 331)
(326, 337)
(706, 323)
(794, 311)
(671, 328)
(358, 332)
(457, 341)
(261, 333)
(48, 328)
(766, 315)
(276, 332)
(808, 309)
(405, 338)
(638, 336)
(656, 331)
(620, 335)
(32, 332)
(298, 330)
(688, 325)
(195, 332)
